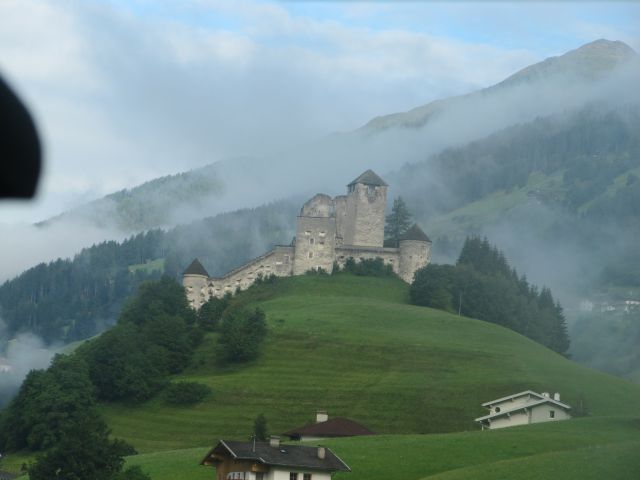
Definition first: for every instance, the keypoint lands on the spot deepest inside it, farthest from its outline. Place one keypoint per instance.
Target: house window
(293, 476)
(306, 476)
(552, 414)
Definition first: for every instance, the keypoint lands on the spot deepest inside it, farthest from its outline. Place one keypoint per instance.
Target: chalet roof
(369, 178)
(298, 456)
(195, 268)
(334, 427)
(415, 233)
(514, 396)
(501, 413)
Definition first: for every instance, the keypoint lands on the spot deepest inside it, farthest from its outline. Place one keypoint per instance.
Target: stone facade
(329, 231)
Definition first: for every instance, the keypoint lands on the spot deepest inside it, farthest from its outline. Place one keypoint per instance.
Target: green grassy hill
(353, 346)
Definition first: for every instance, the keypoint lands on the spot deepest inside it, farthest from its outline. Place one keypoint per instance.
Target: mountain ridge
(588, 61)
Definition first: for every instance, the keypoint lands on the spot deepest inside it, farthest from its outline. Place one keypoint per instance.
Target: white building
(522, 409)
(272, 461)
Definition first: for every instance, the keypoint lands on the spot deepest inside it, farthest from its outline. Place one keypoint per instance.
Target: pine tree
(260, 428)
(397, 222)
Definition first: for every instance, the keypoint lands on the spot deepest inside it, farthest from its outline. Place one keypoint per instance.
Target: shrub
(370, 267)
(186, 393)
(241, 334)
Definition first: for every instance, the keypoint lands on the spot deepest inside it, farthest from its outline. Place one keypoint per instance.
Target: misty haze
(373, 230)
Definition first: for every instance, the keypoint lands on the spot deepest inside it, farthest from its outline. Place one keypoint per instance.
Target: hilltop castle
(329, 230)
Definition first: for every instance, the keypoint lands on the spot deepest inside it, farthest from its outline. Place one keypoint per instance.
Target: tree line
(482, 285)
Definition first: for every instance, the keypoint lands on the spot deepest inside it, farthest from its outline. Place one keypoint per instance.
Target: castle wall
(414, 254)
(365, 209)
(278, 262)
(315, 244)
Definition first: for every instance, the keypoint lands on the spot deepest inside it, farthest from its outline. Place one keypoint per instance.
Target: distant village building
(329, 231)
(621, 307)
(522, 409)
(325, 427)
(272, 461)
(4, 366)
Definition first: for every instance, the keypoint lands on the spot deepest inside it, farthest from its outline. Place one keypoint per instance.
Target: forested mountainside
(160, 202)
(71, 299)
(589, 161)
(590, 148)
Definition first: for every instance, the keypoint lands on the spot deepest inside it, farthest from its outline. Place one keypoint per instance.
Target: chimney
(556, 397)
(321, 416)
(274, 441)
(322, 452)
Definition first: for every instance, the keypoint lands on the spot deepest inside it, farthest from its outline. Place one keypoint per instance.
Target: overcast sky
(127, 90)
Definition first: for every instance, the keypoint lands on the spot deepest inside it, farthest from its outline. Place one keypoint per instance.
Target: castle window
(371, 190)
(322, 234)
(310, 254)
(308, 232)
(286, 259)
(311, 241)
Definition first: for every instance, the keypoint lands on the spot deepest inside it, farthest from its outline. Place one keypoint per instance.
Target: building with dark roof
(271, 460)
(325, 427)
(330, 230)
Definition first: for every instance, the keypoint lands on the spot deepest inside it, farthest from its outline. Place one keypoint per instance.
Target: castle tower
(195, 281)
(365, 208)
(415, 252)
(315, 235)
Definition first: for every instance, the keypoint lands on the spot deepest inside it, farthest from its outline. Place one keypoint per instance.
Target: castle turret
(195, 281)
(415, 252)
(365, 208)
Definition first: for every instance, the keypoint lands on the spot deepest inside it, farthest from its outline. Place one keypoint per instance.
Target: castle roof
(415, 233)
(369, 178)
(195, 268)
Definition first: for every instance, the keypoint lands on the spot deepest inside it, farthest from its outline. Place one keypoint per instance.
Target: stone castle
(329, 231)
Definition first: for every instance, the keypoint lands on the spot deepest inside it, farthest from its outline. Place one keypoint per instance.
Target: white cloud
(123, 94)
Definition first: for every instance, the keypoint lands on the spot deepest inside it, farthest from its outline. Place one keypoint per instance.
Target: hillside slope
(352, 345)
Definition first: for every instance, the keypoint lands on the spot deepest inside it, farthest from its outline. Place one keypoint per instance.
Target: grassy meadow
(353, 346)
(581, 449)
(416, 376)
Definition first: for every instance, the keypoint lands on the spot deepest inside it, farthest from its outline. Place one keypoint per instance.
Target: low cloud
(22, 354)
